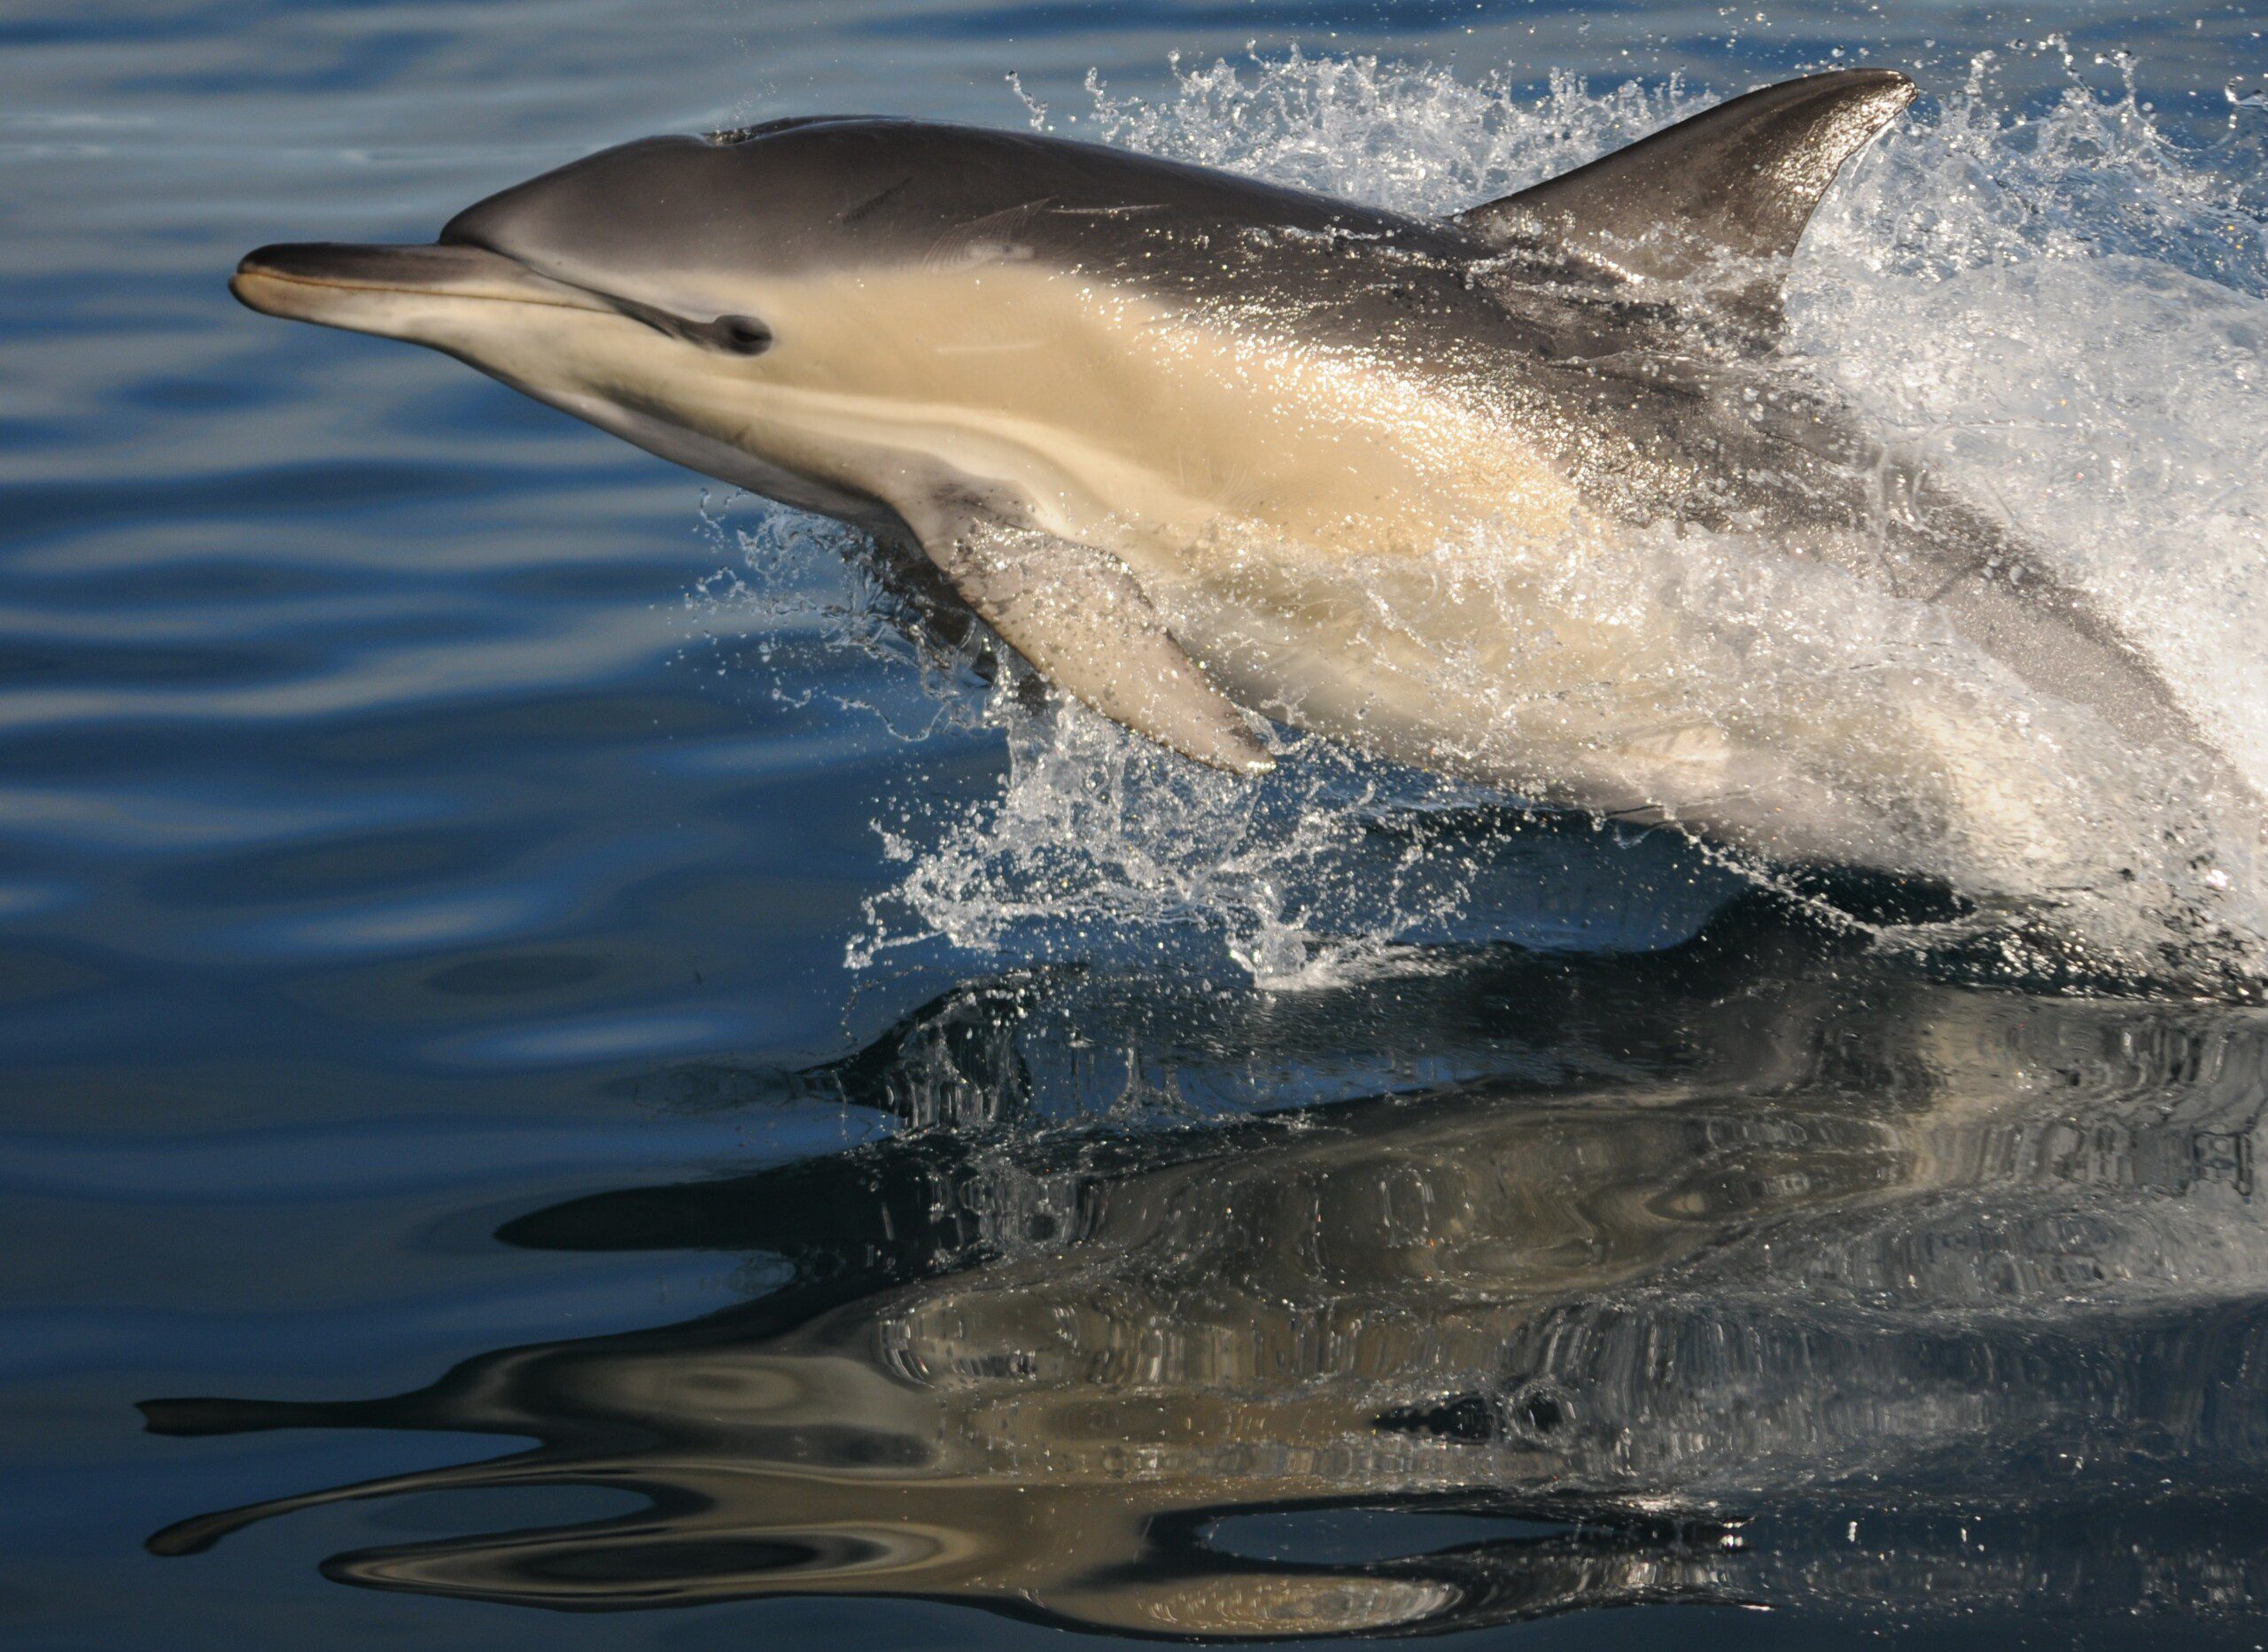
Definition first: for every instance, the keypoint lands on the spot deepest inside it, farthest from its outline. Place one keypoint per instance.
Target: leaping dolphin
(1193, 445)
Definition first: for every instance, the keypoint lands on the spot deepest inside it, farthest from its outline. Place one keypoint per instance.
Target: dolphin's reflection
(1707, 1277)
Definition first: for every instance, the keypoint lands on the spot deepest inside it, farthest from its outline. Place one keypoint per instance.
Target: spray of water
(2062, 315)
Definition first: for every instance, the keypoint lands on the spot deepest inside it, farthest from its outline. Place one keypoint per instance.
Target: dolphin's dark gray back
(850, 188)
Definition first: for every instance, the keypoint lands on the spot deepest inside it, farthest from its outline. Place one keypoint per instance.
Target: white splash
(2064, 314)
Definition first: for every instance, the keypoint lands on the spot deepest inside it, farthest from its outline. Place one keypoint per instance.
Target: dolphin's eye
(743, 335)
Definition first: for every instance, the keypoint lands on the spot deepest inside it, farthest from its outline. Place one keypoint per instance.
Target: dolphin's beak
(399, 291)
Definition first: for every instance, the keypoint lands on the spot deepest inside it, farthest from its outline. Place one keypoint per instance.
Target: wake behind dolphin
(1201, 448)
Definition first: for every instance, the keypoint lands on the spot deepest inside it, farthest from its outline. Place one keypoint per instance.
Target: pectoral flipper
(1079, 615)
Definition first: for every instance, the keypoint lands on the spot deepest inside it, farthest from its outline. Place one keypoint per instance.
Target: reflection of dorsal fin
(1738, 181)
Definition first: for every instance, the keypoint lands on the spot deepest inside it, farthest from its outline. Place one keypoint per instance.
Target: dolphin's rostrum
(1193, 445)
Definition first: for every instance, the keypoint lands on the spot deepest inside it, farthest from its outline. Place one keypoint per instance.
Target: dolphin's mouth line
(373, 286)
(293, 279)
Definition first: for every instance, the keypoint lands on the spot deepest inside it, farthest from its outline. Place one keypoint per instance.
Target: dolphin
(1193, 445)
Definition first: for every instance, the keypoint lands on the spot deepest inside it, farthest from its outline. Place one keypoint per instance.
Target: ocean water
(568, 1084)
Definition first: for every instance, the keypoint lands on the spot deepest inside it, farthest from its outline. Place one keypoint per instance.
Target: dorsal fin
(1738, 182)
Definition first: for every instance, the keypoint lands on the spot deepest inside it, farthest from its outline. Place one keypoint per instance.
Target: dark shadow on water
(1488, 1287)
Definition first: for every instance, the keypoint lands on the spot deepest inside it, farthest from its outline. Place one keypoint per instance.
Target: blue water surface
(432, 996)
